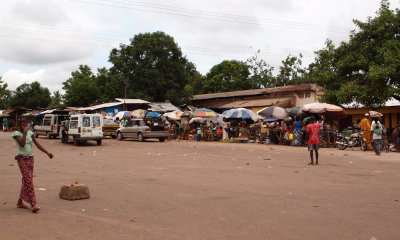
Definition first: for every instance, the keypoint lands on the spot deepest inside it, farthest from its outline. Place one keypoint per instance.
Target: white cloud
(43, 11)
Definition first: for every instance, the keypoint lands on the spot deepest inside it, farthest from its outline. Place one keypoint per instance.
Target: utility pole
(126, 88)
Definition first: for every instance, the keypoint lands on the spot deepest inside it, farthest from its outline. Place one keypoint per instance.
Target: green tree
(229, 75)
(56, 100)
(195, 85)
(5, 95)
(81, 89)
(366, 69)
(291, 72)
(31, 96)
(154, 67)
(110, 84)
(260, 72)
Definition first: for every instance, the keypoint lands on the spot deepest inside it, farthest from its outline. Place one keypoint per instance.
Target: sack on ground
(74, 191)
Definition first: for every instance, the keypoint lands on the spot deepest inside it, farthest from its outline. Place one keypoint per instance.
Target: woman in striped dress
(24, 138)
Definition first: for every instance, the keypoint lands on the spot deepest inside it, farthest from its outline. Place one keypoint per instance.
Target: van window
(73, 124)
(96, 121)
(55, 120)
(86, 122)
(47, 121)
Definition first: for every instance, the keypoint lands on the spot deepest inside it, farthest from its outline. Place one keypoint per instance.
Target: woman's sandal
(21, 205)
(35, 209)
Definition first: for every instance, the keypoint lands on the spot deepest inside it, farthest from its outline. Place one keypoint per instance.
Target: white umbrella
(172, 115)
(273, 112)
(242, 113)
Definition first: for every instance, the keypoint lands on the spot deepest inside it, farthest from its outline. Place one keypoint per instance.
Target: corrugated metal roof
(390, 103)
(290, 88)
(132, 101)
(162, 107)
(103, 105)
(252, 103)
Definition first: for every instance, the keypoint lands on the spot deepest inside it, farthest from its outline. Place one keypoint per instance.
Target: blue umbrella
(152, 115)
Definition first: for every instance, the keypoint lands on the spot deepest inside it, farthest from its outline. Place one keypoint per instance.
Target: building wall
(302, 98)
(390, 115)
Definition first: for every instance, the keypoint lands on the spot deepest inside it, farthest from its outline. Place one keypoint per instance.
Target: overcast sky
(45, 40)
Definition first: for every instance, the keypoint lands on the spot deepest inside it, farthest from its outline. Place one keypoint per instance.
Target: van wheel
(49, 136)
(98, 142)
(76, 142)
(36, 135)
(161, 139)
(140, 137)
(113, 137)
(119, 136)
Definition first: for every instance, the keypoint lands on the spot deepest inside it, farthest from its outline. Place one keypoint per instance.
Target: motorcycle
(353, 140)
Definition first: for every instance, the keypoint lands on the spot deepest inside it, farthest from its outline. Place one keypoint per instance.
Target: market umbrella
(295, 111)
(120, 115)
(242, 113)
(184, 114)
(321, 108)
(329, 110)
(273, 112)
(138, 113)
(151, 115)
(204, 113)
(172, 115)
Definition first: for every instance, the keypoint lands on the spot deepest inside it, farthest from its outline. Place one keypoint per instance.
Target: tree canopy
(81, 89)
(260, 72)
(5, 94)
(153, 66)
(366, 69)
(31, 96)
(229, 75)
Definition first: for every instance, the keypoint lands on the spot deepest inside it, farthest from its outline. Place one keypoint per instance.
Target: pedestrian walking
(313, 139)
(366, 127)
(24, 138)
(225, 127)
(377, 131)
(5, 124)
(297, 133)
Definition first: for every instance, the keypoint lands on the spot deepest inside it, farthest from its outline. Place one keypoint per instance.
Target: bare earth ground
(188, 190)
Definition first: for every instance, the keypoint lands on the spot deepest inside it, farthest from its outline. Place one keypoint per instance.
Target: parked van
(85, 127)
(50, 125)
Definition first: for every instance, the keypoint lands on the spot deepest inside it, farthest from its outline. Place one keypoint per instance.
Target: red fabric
(219, 131)
(313, 129)
(25, 164)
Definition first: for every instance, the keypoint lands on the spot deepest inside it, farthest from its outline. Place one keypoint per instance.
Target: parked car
(50, 125)
(140, 130)
(84, 127)
(110, 128)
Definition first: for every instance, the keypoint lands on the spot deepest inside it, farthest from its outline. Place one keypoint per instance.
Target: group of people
(376, 134)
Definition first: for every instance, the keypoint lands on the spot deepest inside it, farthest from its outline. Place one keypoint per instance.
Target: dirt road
(187, 190)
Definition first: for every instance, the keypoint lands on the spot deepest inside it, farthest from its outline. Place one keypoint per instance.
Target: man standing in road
(124, 121)
(225, 127)
(313, 139)
(5, 124)
(366, 127)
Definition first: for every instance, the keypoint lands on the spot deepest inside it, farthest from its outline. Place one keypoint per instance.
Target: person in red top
(313, 139)
(220, 132)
